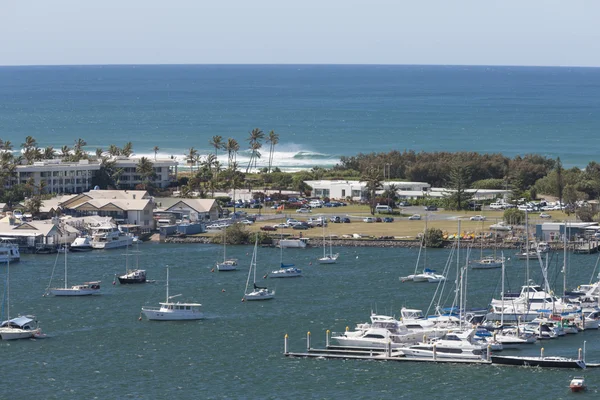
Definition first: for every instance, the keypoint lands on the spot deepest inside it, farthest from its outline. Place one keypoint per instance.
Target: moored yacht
(109, 237)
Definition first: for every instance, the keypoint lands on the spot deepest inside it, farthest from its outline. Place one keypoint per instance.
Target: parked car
(282, 225)
(414, 217)
(431, 208)
(544, 215)
(256, 205)
(268, 228)
(477, 218)
(301, 225)
(335, 219)
(388, 219)
(346, 220)
(303, 210)
(369, 219)
(378, 219)
(246, 222)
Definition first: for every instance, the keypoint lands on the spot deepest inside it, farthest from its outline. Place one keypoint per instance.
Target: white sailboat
(428, 275)
(285, 270)
(256, 292)
(227, 264)
(22, 327)
(170, 311)
(85, 289)
(328, 258)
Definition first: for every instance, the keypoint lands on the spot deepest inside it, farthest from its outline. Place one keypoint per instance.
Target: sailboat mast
(565, 261)
(324, 244)
(502, 293)
(224, 244)
(167, 285)
(527, 257)
(8, 288)
(65, 267)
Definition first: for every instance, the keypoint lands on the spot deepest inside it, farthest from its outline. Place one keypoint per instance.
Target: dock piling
(327, 338)
(308, 341)
(285, 344)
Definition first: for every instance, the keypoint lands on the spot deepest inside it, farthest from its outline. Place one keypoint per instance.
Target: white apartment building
(165, 170)
(356, 190)
(76, 177)
(59, 177)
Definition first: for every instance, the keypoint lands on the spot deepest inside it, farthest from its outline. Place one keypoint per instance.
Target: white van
(383, 208)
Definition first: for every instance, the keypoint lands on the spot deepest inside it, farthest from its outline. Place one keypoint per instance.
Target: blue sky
(488, 32)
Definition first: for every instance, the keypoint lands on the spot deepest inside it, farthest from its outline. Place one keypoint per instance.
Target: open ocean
(320, 111)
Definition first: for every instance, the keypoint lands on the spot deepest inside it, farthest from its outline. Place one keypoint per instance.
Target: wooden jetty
(379, 354)
(389, 354)
(589, 247)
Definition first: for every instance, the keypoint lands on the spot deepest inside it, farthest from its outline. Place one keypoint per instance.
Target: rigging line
(52, 274)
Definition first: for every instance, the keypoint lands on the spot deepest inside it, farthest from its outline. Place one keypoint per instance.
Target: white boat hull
(292, 243)
(328, 259)
(17, 333)
(257, 295)
(161, 315)
(226, 266)
(114, 244)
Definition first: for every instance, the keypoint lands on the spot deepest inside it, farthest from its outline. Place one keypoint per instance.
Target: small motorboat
(578, 384)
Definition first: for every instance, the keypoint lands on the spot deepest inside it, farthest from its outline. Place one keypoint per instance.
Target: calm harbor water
(97, 348)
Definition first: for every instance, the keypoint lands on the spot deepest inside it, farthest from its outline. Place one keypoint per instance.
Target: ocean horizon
(320, 111)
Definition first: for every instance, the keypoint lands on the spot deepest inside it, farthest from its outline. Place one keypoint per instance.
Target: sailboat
(487, 262)
(328, 258)
(170, 311)
(285, 270)
(22, 327)
(85, 289)
(227, 264)
(428, 275)
(132, 275)
(257, 292)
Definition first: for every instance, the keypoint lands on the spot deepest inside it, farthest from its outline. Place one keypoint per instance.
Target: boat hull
(73, 292)
(258, 295)
(158, 315)
(16, 333)
(130, 281)
(226, 266)
(547, 362)
(81, 249)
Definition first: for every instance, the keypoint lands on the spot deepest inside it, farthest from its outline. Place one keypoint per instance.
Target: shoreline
(373, 242)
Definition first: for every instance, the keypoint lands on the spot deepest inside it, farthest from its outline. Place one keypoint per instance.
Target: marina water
(321, 112)
(97, 348)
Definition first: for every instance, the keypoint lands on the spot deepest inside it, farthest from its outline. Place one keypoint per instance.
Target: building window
(343, 192)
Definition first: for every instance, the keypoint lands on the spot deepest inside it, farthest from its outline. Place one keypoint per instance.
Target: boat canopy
(19, 322)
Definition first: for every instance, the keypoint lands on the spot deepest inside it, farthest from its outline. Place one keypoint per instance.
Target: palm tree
(232, 147)
(372, 178)
(65, 152)
(49, 153)
(156, 149)
(273, 140)
(145, 168)
(99, 152)
(78, 149)
(256, 135)
(127, 150)
(191, 157)
(30, 143)
(7, 146)
(217, 143)
(114, 151)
